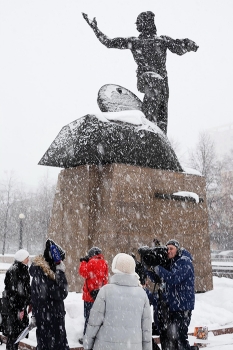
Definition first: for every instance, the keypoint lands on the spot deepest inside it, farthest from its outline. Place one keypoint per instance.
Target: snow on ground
(4, 266)
(213, 309)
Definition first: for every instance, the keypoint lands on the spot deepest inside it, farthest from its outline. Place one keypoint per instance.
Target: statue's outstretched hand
(93, 23)
(191, 45)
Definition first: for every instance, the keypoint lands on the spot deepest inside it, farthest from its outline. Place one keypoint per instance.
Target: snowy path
(223, 342)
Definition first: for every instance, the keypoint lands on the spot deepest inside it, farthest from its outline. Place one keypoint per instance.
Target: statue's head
(145, 22)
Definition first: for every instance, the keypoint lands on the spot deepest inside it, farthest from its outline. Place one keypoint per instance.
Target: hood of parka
(39, 261)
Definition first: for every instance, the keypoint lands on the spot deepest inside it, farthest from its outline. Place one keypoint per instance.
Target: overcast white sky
(52, 66)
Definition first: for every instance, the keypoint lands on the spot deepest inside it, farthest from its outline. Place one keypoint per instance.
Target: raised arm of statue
(179, 46)
(116, 43)
(93, 23)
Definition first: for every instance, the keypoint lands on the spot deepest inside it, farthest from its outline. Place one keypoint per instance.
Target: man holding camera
(179, 294)
(94, 269)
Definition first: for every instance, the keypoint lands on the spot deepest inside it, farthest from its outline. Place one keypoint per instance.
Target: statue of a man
(149, 52)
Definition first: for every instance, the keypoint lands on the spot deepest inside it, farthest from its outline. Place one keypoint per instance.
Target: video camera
(150, 257)
(155, 256)
(140, 270)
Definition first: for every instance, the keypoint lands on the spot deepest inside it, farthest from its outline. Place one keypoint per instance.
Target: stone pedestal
(115, 208)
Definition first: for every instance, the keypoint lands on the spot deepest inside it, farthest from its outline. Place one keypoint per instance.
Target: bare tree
(36, 207)
(221, 213)
(41, 209)
(7, 198)
(177, 149)
(203, 158)
(219, 187)
(221, 208)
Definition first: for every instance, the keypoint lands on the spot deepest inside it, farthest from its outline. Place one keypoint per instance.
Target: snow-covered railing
(222, 267)
(225, 259)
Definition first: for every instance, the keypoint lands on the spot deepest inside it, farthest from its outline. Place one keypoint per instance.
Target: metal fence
(222, 267)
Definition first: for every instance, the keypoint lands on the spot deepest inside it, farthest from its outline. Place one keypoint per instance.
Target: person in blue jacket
(180, 296)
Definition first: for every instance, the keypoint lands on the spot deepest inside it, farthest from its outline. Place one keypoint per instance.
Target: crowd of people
(42, 298)
(117, 310)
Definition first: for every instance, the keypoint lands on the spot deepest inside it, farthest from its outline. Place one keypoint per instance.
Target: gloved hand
(155, 275)
(32, 323)
(156, 270)
(61, 266)
(86, 258)
(55, 254)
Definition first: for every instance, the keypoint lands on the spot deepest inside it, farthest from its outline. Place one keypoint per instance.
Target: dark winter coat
(18, 295)
(49, 289)
(95, 272)
(179, 281)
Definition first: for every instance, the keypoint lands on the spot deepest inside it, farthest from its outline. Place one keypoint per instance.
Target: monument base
(120, 207)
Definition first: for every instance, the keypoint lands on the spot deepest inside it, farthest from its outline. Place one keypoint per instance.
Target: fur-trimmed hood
(44, 265)
(48, 294)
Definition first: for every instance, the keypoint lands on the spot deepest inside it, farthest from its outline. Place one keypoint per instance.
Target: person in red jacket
(94, 268)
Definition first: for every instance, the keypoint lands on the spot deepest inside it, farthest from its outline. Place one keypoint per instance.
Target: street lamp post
(21, 217)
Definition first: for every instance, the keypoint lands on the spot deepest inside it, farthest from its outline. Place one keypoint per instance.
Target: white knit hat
(123, 263)
(21, 255)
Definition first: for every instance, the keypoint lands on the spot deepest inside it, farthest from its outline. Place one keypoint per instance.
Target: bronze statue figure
(149, 52)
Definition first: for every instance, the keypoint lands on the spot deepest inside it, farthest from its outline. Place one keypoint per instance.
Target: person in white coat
(120, 317)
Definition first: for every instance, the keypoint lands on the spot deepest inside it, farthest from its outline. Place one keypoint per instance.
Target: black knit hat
(94, 251)
(173, 242)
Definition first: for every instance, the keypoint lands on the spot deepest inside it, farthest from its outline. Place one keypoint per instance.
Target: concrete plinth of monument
(120, 207)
